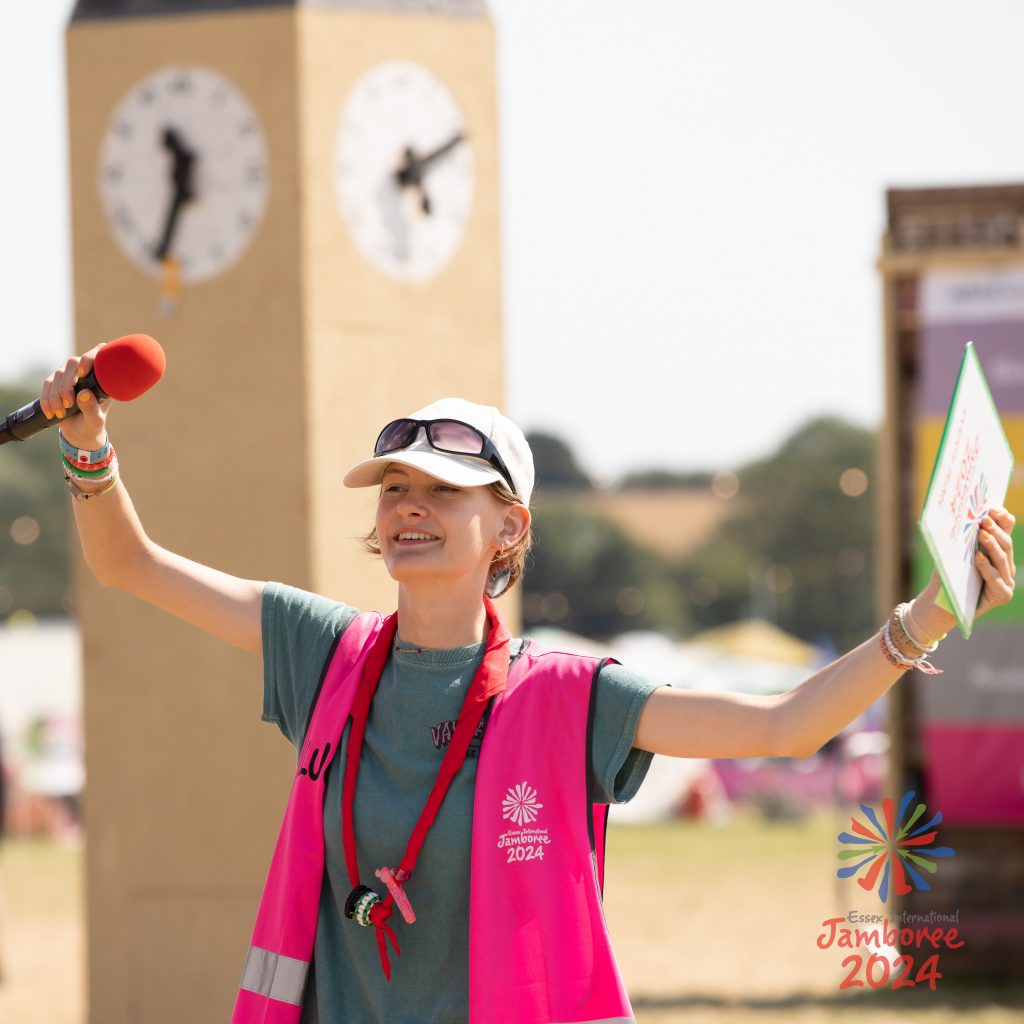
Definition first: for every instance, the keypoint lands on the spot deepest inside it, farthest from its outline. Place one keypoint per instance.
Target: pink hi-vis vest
(539, 951)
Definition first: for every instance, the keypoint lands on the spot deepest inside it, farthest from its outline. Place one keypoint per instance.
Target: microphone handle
(23, 423)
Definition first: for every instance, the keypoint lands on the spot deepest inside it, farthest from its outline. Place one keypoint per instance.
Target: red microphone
(123, 369)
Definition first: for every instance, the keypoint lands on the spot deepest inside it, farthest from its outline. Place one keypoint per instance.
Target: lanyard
(363, 904)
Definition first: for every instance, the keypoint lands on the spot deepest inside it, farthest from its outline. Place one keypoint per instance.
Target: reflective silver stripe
(606, 1020)
(273, 975)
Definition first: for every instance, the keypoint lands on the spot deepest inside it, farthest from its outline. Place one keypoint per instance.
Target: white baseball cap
(462, 470)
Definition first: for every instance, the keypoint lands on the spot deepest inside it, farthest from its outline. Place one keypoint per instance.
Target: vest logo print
(521, 804)
(522, 807)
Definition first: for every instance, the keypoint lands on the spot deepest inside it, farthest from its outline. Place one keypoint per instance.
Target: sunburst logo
(974, 512)
(520, 804)
(895, 850)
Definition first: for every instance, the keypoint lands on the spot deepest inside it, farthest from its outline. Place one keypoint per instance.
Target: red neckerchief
(489, 680)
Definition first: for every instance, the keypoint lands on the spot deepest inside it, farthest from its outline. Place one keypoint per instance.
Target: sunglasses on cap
(453, 437)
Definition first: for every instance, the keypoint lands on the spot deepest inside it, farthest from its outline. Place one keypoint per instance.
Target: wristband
(95, 469)
(904, 613)
(82, 456)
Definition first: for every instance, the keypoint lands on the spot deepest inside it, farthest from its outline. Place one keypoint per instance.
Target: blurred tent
(751, 656)
(40, 717)
(40, 676)
(757, 638)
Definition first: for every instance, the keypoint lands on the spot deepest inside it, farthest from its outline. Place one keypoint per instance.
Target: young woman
(442, 849)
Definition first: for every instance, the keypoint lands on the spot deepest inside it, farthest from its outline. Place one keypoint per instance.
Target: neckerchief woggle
(490, 679)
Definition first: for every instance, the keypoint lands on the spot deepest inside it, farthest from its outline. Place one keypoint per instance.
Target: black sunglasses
(450, 436)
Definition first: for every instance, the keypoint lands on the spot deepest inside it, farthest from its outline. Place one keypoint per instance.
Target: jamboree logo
(894, 854)
(520, 804)
(527, 842)
(977, 509)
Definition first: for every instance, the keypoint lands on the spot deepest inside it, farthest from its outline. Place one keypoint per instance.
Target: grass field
(714, 926)
(42, 948)
(730, 934)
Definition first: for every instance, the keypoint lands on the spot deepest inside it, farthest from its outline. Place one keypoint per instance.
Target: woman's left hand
(995, 559)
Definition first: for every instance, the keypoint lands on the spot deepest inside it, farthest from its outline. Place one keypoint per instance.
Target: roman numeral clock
(300, 202)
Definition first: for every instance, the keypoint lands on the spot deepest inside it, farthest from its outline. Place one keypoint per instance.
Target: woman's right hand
(88, 429)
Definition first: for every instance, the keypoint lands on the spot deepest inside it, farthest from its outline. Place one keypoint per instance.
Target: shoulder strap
(597, 819)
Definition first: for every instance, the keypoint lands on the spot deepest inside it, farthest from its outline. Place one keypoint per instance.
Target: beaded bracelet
(83, 456)
(896, 657)
(899, 635)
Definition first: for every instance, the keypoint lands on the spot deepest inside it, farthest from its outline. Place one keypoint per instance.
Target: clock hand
(183, 183)
(410, 174)
(442, 150)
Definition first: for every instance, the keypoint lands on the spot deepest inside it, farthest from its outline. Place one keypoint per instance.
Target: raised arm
(115, 544)
(691, 723)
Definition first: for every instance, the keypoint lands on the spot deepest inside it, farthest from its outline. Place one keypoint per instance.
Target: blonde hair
(513, 559)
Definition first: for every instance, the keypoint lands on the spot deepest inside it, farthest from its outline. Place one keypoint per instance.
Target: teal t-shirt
(409, 727)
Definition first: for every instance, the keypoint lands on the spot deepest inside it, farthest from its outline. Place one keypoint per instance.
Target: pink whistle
(397, 893)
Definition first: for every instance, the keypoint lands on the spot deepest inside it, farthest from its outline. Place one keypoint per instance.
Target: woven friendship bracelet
(104, 477)
(79, 495)
(892, 653)
(896, 657)
(83, 456)
(898, 638)
(885, 650)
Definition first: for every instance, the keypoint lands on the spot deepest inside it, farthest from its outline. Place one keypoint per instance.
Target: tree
(796, 547)
(665, 480)
(804, 519)
(34, 526)
(589, 577)
(555, 465)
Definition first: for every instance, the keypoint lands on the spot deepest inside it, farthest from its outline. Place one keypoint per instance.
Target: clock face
(183, 172)
(403, 170)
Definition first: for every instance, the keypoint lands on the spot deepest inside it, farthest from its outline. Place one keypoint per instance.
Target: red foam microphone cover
(127, 367)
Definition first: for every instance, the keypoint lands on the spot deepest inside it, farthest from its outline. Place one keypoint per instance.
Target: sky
(693, 201)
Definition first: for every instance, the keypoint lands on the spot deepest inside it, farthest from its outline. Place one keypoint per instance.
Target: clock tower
(300, 202)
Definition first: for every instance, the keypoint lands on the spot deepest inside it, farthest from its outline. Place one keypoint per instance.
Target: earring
(497, 582)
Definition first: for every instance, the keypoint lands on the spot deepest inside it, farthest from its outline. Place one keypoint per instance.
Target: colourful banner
(973, 772)
(983, 306)
(973, 732)
(982, 680)
(972, 716)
